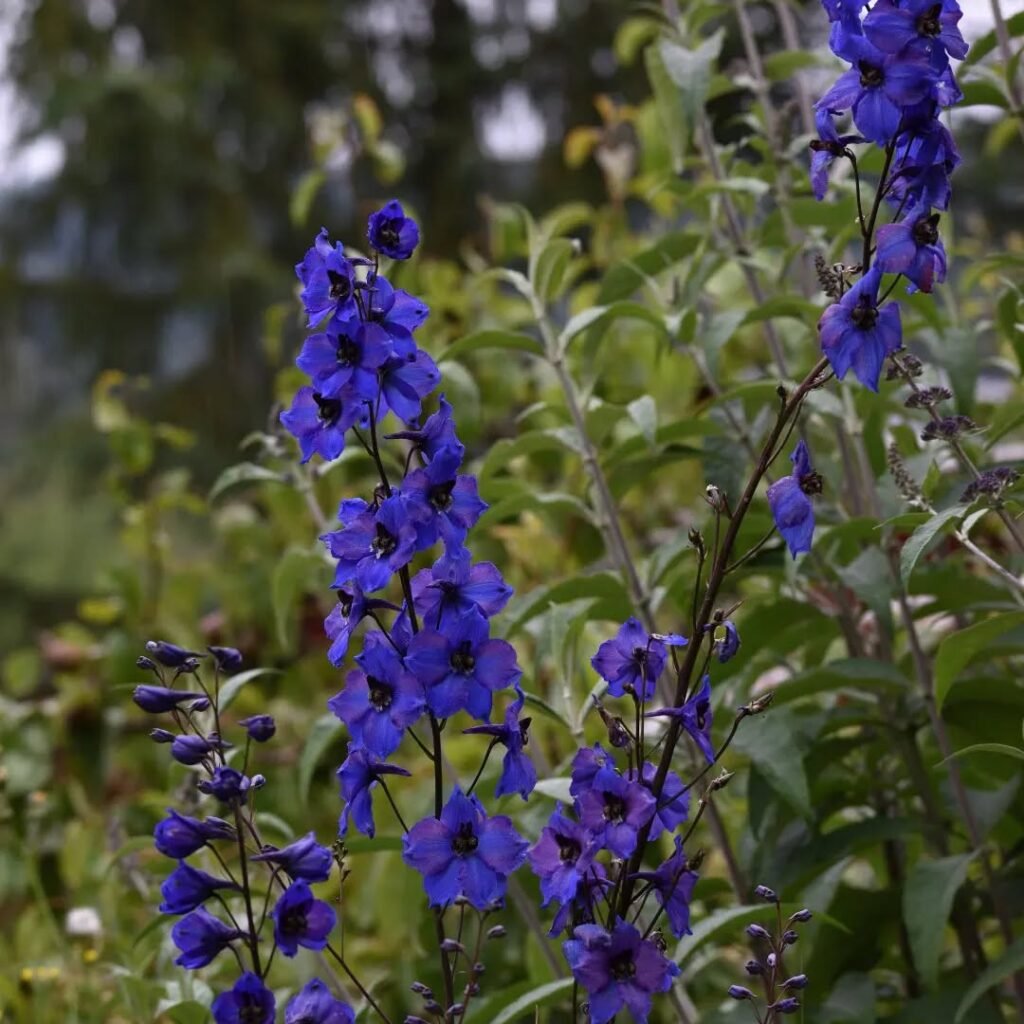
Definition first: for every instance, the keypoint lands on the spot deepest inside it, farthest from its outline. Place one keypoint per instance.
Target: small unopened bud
(433, 1006)
(413, 1019)
(788, 1005)
(755, 931)
(802, 915)
(694, 863)
(497, 932)
(798, 981)
(617, 734)
(472, 989)
(754, 968)
(758, 706)
(768, 895)
(451, 946)
(770, 961)
(721, 781)
(479, 968)
(716, 498)
(258, 781)
(147, 664)
(420, 989)
(161, 736)
(454, 1010)
(696, 539)
(790, 938)
(739, 992)
(190, 665)
(200, 704)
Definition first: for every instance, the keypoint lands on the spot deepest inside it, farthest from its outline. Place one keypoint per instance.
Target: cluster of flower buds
(298, 917)
(768, 966)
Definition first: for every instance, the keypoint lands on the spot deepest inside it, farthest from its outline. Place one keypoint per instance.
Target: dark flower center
(462, 659)
(864, 315)
(348, 351)
(928, 24)
(465, 840)
(640, 656)
(568, 849)
(614, 808)
(388, 234)
(328, 409)
(827, 146)
(440, 496)
(252, 1012)
(871, 76)
(524, 730)
(341, 285)
(622, 967)
(380, 693)
(811, 483)
(383, 543)
(702, 709)
(294, 922)
(346, 601)
(926, 230)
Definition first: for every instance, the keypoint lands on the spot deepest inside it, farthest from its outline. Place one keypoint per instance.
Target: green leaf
(775, 743)
(691, 70)
(243, 473)
(958, 649)
(1009, 963)
(987, 748)
(644, 413)
(726, 920)
(326, 729)
(230, 690)
(479, 341)
(297, 571)
(622, 310)
(927, 900)
(923, 536)
(542, 995)
(783, 306)
(859, 674)
(302, 198)
(551, 267)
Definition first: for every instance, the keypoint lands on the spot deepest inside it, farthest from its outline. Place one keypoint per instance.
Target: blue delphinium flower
(300, 919)
(200, 936)
(156, 700)
(319, 423)
(922, 25)
(847, 11)
(456, 586)
(228, 785)
(249, 1002)
(305, 858)
(259, 728)
(912, 247)
(357, 776)
(790, 502)
(518, 775)
(727, 645)
(391, 233)
(170, 655)
(344, 358)
(228, 659)
(374, 544)
(396, 312)
(695, 716)
(444, 503)
(857, 334)
(615, 809)
(826, 149)
(179, 836)
(460, 667)
(586, 763)
(381, 698)
(186, 888)
(343, 618)
(673, 806)
(406, 382)
(191, 750)
(632, 659)
(436, 433)
(562, 857)
(618, 970)
(464, 853)
(314, 1004)
(673, 885)
(328, 280)
(926, 162)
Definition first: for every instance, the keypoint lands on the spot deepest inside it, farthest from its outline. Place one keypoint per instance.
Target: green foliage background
(671, 246)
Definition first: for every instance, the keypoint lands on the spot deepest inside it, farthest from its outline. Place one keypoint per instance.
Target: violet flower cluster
(429, 657)
(227, 908)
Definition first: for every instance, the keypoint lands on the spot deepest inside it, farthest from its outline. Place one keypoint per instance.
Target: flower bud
(768, 895)
(228, 658)
(146, 664)
(754, 968)
(798, 981)
(789, 938)
(260, 728)
(169, 654)
(413, 1019)
(497, 932)
(420, 989)
(202, 704)
(755, 931)
(258, 781)
(454, 1010)
(802, 916)
(161, 736)
(479, 968)
(451, 946)
(721, 781)
(788, 1005)
(739, 992)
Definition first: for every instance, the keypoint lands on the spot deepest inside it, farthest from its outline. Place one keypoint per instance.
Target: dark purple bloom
(392, 233)
(562, 857)
(189, 749)
(178, 836)
(464, 852)
(926, 160)
(228, 785)
(305, 859)
(170, 655)
(614, 809)
(877, 87)
(460, 667)
(455, 587)
(518, 775)
(259, 728)
(350, 610)
(319, 423)
(912, 247)
(249, 1002)
(790, 502)
(200, 936)
(444, 504)
(357, 775)
(673, 884)
(695, 716)
(374, 544)
(856, 334)
(406, 382)
(586, 763)
(314, 1004)
(826, 149)
(438, 432)
(396, 311)
(328, 280)
(632, 659)
(381, 698)
(228, 659)
(921, 25)
(158, 699)
(187, 888)
(344, 359)
(300, 919)
(618, 970)
(673, 806)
